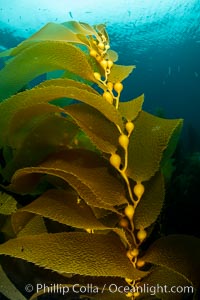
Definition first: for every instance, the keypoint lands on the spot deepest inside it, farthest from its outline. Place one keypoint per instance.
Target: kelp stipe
(93, 165)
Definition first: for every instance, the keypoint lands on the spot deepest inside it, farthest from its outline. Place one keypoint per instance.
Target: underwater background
(160, 37)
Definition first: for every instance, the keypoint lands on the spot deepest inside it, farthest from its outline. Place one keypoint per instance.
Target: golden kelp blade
(119, 73)
(100, 130)
(74, 252)
(150, 138)
(50, 32)
(152, 201)
(41, 58)
(47, 93)
(106, 193)
(81, 28)
(61, 206)
(72, 32)
(8, 204)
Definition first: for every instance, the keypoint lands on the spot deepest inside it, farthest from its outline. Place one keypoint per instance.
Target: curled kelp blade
(61, 206)
(81, 169)
(67, 82)
(74, 252)
(51, 31)
(40, 58)
(47, 93)
(72, 31)
(80, 28)
(84, 29)
(64, 207)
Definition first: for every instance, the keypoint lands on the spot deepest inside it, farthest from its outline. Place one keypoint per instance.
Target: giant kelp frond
(85, 168)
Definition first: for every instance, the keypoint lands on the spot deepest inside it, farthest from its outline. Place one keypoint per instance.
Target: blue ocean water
(166, 52)
(162, 38)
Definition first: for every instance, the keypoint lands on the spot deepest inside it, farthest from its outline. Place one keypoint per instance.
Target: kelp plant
(73, 153)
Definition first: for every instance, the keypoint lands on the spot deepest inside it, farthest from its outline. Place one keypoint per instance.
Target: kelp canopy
(87, 161)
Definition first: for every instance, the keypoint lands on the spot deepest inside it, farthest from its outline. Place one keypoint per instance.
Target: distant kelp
(93, 166)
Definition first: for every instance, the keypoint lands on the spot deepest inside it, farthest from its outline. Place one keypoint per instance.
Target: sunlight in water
(19, 14)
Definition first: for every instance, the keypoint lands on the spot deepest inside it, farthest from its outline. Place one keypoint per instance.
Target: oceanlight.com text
(151, 289)
(111, 288)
